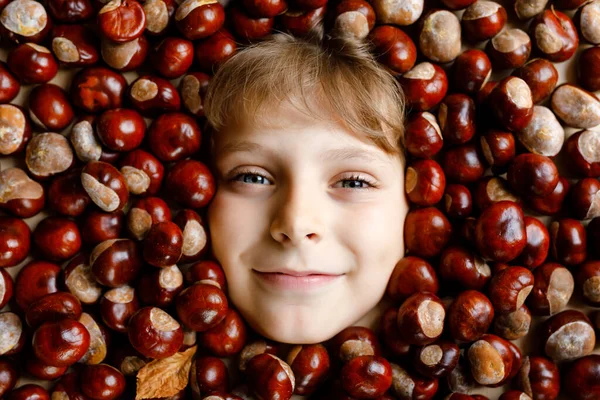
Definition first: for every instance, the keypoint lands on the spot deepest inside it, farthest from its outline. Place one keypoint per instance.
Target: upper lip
(297, 273)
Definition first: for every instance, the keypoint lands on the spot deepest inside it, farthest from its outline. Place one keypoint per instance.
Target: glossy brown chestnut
(117, 306)
(509, 49)
(541, 76)
(407, 384)
(533, 175)
(581, 378)
(423, 136)
(588, 281)
(250, 29)
(142, 171)
(259, 9)
(121, 129)
(195, 236)
(105, 185)
(124, 56)
(53, 307)
(554, 35)
(552, 289)
(538, 244)
(208, 374)
(509, 289)
(425, 182)
(160, 287)
(9, 374)
(6, 288)
(374, 374)
(197, 19)
(500, 233)
(97, 226)
(29, 391)
(425, 85)
(390, 335)
(159, 16)
(513, 103)
(539, 378)
(458, 264)
(15, 241)
(584, 199)
(491, 360)
(66, 195)
(426, 232)
(472, 68)
(151, 94)
(193, 88)
(490, 190)
(102, 382)
(174, 136)
(39, 370)
(69, 11)
(268, 375)
(296, 22)
(567, 335)
(469, 316)
(60, 343)
(43, 163)
(439, 36)
(122, 20)
(463, 163)
(393, 48)
(154, 333)
(32, 63)
(57, 238)
(9, 85)
(35, 280)
(74, 45)
(437, 359)
(575, 106)
(95, 89)
(172, 57)
(49, 107)
(411, 275)
(568, 239)
(116, 262)
(191, 183)
(228, 337)
(144, 213)
(458, 202)
(201, 306)
(582, 151)
(553, 203)
(421, 319)
(310, 365)
(456, 116)
(593, 235)
(163, 244)
(483, 20)
(352, 342)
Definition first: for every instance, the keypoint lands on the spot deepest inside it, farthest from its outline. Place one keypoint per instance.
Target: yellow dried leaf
(165, 377)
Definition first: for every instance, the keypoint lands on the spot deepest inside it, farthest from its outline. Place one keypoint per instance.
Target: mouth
(297, 281)
(298, 273)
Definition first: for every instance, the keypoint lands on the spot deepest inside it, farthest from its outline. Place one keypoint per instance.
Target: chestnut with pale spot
(425, 85)
(541, 77)
(116, 262)
(11, 333)
(575, 106)
(583, 151)
(509, 49)
(440, 36)
(354, 18)
(469, 316)
(514, 325)
(198, 19)
(543, 135)
(105, 185)
(79, 280)
(421, 319)
(398, 12)
(483, 20)
(98, 348)
(552, 289)
(48, 154)
(567, 335)
(491, 360)
(268, 376)
(15, 129)
(423, 136)
(154, 333)
(201, 306)
(410, 385)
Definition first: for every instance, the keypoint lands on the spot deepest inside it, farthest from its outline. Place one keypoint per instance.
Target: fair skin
(308, 211)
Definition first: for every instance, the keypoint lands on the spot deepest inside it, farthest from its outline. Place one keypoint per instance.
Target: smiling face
(305, 195)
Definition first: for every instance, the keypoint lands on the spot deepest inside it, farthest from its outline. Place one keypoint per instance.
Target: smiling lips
(297, 280)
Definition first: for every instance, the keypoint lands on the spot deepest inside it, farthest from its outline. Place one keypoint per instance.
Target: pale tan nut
(48, 154)
(544, 135)
(575, 106)
(440, 37)
(14, 129)
(24, 17)
(398, 12)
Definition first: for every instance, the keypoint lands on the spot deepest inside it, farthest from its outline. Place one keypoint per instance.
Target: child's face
(309, 212)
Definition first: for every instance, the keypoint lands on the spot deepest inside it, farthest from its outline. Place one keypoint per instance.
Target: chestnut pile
(121, 299)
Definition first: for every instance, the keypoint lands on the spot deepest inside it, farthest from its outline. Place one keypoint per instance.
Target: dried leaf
(165, 377)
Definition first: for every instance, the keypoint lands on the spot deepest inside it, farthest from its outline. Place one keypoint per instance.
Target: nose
(298, 216)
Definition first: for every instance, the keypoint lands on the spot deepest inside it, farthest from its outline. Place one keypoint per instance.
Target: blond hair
(338, 70)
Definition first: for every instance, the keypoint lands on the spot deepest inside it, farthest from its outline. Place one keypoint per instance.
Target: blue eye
(355, 181)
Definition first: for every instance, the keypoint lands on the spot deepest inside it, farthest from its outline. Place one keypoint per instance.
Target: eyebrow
(340, 154)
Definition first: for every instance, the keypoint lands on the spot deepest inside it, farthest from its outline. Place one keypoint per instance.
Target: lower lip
(290, 282)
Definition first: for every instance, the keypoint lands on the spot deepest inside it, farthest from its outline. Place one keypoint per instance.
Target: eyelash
(355, 177)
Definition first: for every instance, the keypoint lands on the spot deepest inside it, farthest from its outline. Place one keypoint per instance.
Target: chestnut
(25, 20)
(581, 150)
(16, 129)
(575, 106)
(117, 306)
(538, 244)
(163, 244)
(74, 45)
(567, 335)
(12, 334)
(544, 134)
(9, 375)
(105, 185)
(539, 378)
(588, 281)
(457, 264)
(32, 63)
(19, 194)
(411, 275)
(95, 89)
(353, 18)
(310, 365)
(352, 342)
(57, 238)
(551, 204)
(6, 288)
(66, 195)
(195, 237)
(296, 22)
(533, 175)
(456, 115)
(29, 391)
(160, 287)
(121, 129)
(228, 337)
(541, 76)
(513, 103)
(151, 94)
(513, 325)
(144, 213)
(421, 319)
(206, 270)
(527, 9)
(201, 306)
(490, 190)
(458, 202)
(409, 385)
(49, 107)
(584, 198)
(121, 20)
(142, 171)
(390, 335)
(40, 370)
(470, 316)
(425, 182)
(197, 19)
(491, 360)
(483, 20)
(53, 307)
(581, 378)
(116, 262)
(97, 226)
(98, 340)
(552, 289)
(102, 382)
(426, 232)
(425, 85)
(472, 68)
(35, 280)
(125, 56)
(43, 163)
(208, 374)
(374, 374)
(60, 343)
(423, 136)
(269, 376)
(509, 49)
(15, 241)
(174, 136)
(463, 163)
(172, 57)
(436, 359)
(154, 333)
(193, 88)
(439, 36)
(191, 183)
(500, 231)
(568, 239)
(159, 15)
(393, 48)
(396, 14)
(554, 35)
(509, 289)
